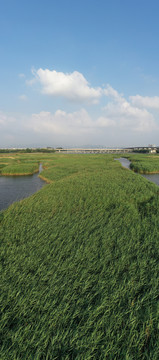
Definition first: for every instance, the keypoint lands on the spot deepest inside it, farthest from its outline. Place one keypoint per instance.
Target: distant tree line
(28, 150)
(143, 151)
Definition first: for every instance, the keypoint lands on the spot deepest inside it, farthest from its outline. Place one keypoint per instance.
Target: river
(15, 188)
(151, 177)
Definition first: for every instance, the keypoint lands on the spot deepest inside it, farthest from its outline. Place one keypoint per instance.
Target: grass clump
(19, 169)
(144, 164)
(79, 265)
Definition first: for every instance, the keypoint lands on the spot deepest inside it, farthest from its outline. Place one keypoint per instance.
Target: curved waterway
(151, 177)
(15, 188)
(124, 162)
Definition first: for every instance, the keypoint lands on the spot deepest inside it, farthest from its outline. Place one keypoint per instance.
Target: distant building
(152, 150)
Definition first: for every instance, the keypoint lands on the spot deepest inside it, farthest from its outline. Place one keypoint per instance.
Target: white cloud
(23, 97)
(2, 118)
(8, 125)
(21, 75)
(61, 122)
(112, 93)
(72, 86)
(145, 101)
(104, 121)
(126, 115)
(118, 115)
(120, 118)
(6, 120)
(119, 123)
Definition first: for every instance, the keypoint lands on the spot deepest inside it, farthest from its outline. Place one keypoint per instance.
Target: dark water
(151, 177)
(14, 188)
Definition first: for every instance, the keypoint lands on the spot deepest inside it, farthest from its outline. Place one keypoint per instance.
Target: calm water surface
(124, 162)
(14, 188)
(151, 177)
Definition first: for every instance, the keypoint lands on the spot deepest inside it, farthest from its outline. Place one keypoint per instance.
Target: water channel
(15, 188)
(151, 177)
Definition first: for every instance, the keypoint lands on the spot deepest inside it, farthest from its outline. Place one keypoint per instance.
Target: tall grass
(19, 169)
(145, 164)
(79, 265)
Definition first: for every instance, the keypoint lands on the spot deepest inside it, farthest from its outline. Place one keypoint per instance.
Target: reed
(79, 264)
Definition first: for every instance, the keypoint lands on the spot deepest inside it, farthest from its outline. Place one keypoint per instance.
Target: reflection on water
(14, 188)
(124, 162)
(151, 177)
(40, 168)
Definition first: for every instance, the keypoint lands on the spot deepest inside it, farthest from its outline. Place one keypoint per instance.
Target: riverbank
(16, 188)
(153, 177)
(144, 164)
(19, 174)
(145, 172)
(45, 179)
(16, 169)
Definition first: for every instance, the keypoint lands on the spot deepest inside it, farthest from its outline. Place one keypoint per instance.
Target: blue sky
(77, 73)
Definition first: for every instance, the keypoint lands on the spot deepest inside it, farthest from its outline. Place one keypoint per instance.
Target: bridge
(106, 150)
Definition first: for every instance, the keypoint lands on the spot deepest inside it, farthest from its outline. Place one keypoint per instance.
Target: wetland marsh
(15, 188)
(151, 177)
(80, 263)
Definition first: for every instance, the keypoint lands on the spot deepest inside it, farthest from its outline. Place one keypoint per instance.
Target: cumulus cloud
(112, 93)
(75, 123)
(145, 101)
(125, 115)
(119, 118)
(8, 126)
(72, 86)
(2, 118)
(118, 115)
(21, 75)
(105, 122)
(61, 122)
(23, 97)
(6, 120)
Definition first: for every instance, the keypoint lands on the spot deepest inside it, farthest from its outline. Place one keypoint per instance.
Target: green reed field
(80, 263)
(17, 165)
(144, 164)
